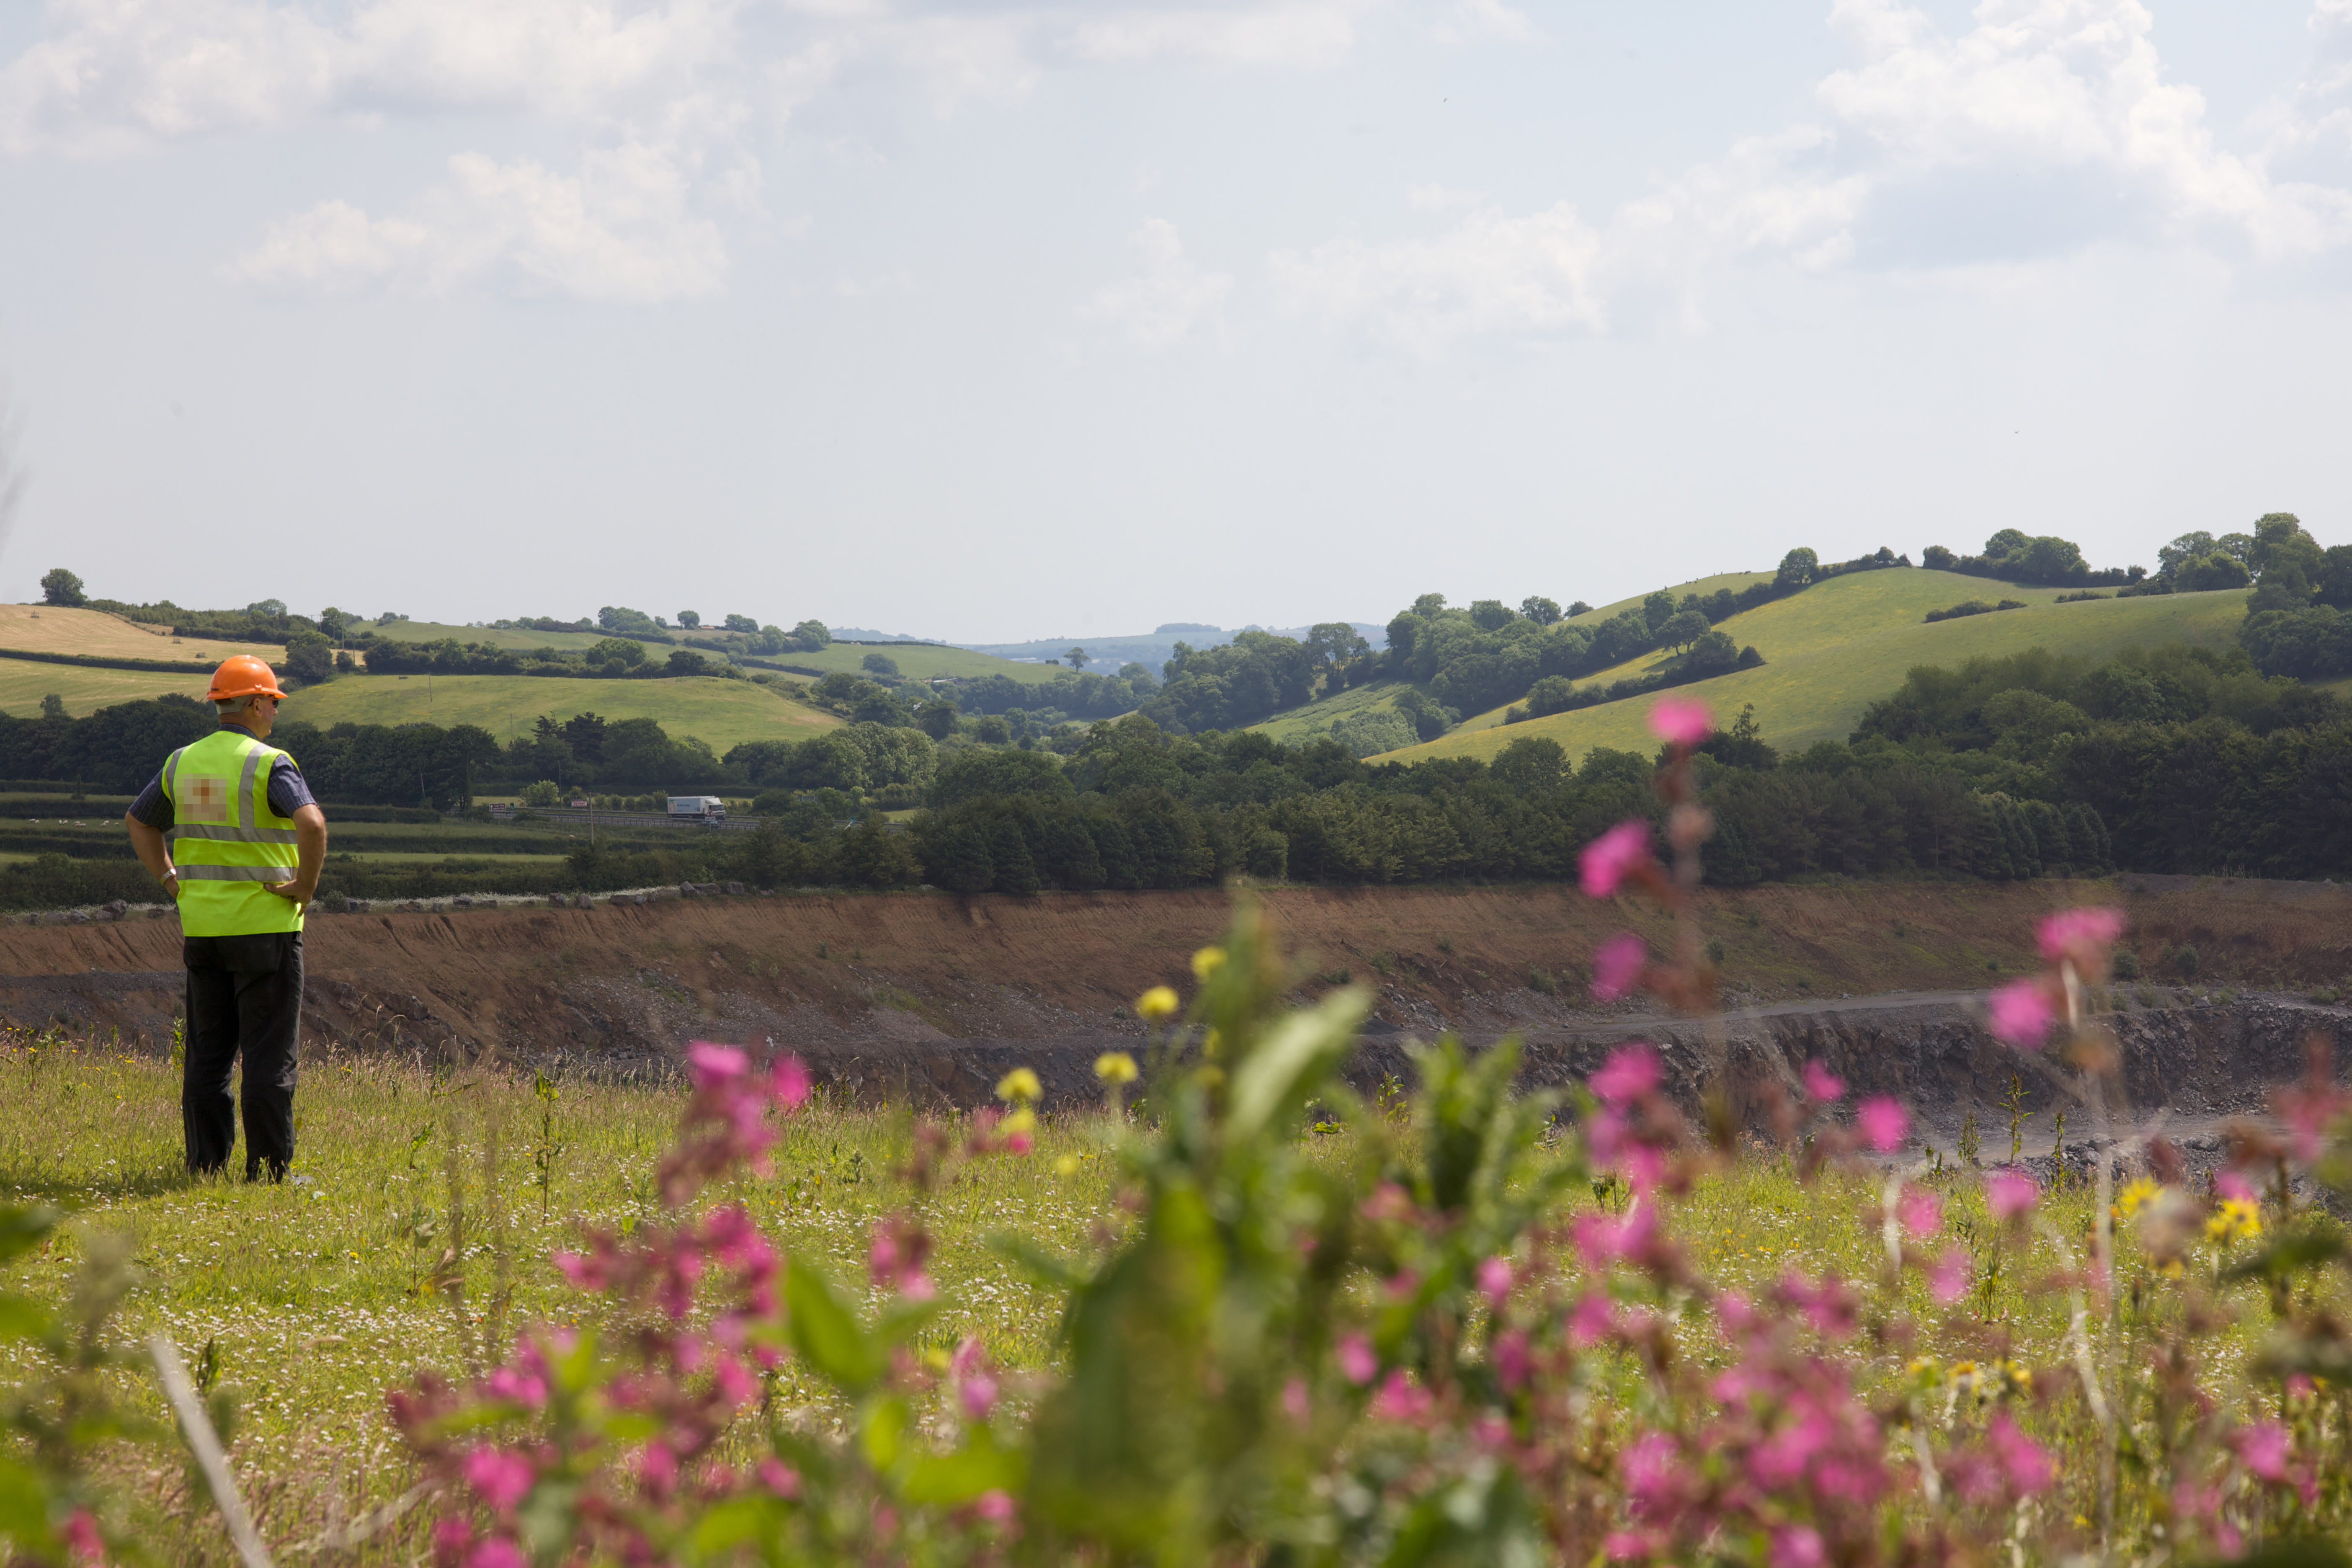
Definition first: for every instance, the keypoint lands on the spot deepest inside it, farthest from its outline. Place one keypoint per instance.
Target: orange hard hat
(242, 675)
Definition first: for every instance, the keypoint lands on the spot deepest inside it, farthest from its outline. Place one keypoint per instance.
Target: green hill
(491, 636)
(722, 712)
(24, 681)
(918, 661)
(1833, 649)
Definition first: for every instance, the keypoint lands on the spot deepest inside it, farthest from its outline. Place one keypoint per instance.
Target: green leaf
(2306, 1246)
(24, 1319)
(731, 1523)
(824, 1334)
(24, 1508)
(1281, 1068)
(882, 1433)
(950, 1480)
(1047, 1268)
(2309, 1553)
(22, 1229)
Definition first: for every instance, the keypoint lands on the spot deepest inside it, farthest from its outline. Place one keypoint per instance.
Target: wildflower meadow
(1235, 1314)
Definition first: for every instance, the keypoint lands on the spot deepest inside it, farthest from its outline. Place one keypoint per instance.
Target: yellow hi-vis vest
(225, 841)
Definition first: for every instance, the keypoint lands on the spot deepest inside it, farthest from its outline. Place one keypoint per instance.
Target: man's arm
(311, 844)
(147, 843)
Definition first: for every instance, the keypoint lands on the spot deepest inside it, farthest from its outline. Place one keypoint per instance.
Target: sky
(987, 321)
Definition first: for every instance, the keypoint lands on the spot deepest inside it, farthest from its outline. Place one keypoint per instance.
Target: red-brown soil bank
(937, 993)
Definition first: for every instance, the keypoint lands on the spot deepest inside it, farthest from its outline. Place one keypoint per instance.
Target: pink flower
(2028, 1469)
(1617, 966)
(1648, 1467)
(1495, 1281)
(1626, 1545)
(788, 1082)
(2082, 935)
(82, 1537)
(496, 1552)
(1357, 1362)
(1885, 1123)
(779, 1477)
(2229, 1184)
(1294, 1402)
(1822, 1084)
(502, 1478)
(518, 1387)
(1921, 1211)
(978, 1396)
(1601, 1239)
(2010, 1192)
(1681, 721)
(1513, 1361)
(1948, 1277)
(996, 1506)
(714, 1065)
(2022, 1013)
(1609, 859)
(1401, 1399)
(451, 1536)
(1631, 1072)
(1594, 1319)
(2262, 1450)
(1797, 1546)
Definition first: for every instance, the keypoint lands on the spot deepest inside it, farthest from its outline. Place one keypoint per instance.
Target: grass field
(23, 682)
(44, 628)
(723, 712)
(317, 1296)
(1832, 650)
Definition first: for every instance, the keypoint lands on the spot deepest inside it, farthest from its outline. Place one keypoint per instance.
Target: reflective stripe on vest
(225, 840)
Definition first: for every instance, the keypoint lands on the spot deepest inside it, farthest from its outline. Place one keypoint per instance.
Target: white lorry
(696, 809)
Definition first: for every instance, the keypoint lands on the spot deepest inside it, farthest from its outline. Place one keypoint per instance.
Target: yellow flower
(2135, 1197)
(1021, 1085)
(1067, 1165)
(1207, 962)
(1115, 1068)
(1155, 1004)
(1022, 1121)
(2235, 1219)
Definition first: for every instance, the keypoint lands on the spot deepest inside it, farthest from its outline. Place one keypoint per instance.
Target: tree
(685, 661)
(1077, 659)
(270, 609)
(1539, 609)
(1684, 629)
(1490, 615)
(309, 658)
(617, 650)
(1657, 610)
(59, 586)
(1711, 653)
(880, 664)
(813, 635)
(1428, 604)
(1936, 558)
(2005, 543)
(1334, 646)
(1799, 568)
(1579, 609)
(1533, 764)
(2188, 547)
(53, 707)
(741, 623)
(938, 718)
(690, 619)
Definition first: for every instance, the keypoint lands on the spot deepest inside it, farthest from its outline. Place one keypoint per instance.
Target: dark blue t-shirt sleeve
(288, 791)
(154, 807)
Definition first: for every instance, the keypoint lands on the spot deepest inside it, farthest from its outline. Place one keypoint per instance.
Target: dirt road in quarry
(935, 996)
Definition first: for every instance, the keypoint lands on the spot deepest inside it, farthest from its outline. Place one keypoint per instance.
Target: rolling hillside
(433, 631)
(723, 712)
(23, 682)
(1833, 649)
(924, 662)
(44, 628)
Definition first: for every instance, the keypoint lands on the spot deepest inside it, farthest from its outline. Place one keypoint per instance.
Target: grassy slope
(722, 712)
(1836, 649)
(23, 682)
(1302, 725)
(44, 628)
(924, 663)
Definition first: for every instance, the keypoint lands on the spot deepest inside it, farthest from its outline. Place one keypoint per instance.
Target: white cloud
(1304, 33)
(2048, 126)
(622, 231)
(1159, 307)
(1470, 21)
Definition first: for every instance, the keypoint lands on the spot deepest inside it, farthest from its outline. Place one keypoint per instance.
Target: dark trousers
(245, 994)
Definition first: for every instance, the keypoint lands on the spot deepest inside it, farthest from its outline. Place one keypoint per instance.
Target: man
(230, 828)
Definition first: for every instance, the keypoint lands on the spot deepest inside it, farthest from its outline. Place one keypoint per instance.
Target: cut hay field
(44, 628)
(493, 636)
(1832, 650)
(917, 662)
(723, 712)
